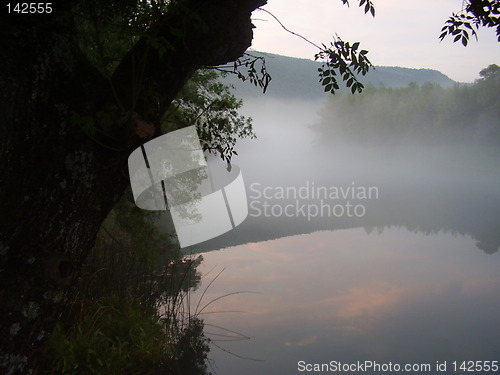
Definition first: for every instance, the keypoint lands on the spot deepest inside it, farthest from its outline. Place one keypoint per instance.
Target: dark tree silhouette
(58, 184)
(58, 179)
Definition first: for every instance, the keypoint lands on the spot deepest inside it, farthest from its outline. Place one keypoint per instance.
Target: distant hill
(298, 78)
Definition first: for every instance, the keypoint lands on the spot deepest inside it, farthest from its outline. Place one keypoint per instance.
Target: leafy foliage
(343, 59)
(106, 341)
(368, 4)
(490, 75)
(475, 14)
(297, 78)
(339, 57)
(260, 77)
(192, 356)
(130, 314)
(108, 31)
(207, 103)
(426, 114)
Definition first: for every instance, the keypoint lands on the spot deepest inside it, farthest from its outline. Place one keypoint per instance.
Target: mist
(426, 181)
(368, 217)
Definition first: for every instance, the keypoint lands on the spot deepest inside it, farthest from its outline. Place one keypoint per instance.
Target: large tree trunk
(57, 182)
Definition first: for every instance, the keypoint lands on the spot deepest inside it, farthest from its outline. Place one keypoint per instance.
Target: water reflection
(347, 296)
(420, 187)
(414, 279)
(467, 208)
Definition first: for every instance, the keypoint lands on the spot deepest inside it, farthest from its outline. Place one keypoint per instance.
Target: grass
(129, 316)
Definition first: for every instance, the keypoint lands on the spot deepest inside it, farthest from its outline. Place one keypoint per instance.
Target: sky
(403, 33)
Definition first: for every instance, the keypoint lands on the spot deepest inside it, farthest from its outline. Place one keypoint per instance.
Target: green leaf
(354, 59)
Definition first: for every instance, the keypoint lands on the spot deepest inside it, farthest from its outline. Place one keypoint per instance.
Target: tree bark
(58, 182)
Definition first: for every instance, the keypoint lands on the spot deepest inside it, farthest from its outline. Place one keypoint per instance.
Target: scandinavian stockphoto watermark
(310, 200)
(171, 173)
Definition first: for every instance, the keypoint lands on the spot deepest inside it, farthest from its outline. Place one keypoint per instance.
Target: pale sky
(403, 33)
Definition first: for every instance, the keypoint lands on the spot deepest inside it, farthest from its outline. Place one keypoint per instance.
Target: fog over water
(421, 185)
(359, 246)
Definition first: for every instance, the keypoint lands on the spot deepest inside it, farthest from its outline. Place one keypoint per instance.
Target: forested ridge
(427, 113)
(298, 78)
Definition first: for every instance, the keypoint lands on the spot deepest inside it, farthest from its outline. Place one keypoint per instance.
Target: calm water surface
(348, 296)
(419, 285)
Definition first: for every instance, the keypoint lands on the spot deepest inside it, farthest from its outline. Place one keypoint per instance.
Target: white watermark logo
(310, 200)
(171, 173)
